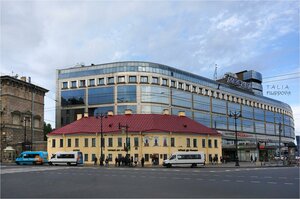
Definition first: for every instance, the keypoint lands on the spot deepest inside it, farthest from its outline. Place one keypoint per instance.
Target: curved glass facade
(147, 87)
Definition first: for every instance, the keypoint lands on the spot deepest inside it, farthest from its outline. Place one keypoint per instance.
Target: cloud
(38, 37)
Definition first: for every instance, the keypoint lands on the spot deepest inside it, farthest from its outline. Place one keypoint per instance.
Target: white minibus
(185, 158)
(69, 158)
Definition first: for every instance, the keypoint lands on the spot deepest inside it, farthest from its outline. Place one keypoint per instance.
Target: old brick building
(22, 116)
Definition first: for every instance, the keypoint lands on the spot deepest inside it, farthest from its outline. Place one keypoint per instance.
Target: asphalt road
(95, 182)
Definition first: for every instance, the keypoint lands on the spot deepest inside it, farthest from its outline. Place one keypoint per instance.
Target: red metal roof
(136, 123)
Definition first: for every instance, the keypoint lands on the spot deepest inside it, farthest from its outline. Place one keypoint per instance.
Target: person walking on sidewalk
(251, 158)
(142, 161)
(95, 161)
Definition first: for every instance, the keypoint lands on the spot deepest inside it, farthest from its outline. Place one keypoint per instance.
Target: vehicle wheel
(50, 163)
(169, 165)
(69, 164)
(18, 163)
(34, 163)
(194, 165)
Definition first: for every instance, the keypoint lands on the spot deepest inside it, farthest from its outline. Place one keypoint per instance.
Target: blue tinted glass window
(231, 124)
(219, 121)
(248, 126)
(233, 107)
(72, 97)
(201, 102)
(110, 80)
(65, 85)
(270, 129)
(202, 118)
(99, 110)
(144, 79)
(92, 82)
(259, 114)
(153, 109)
(259, 127)
(101, 81)
(269, 116)
(132, 79)
(101, 95)
(74, 84)
(121, 109)
(181, 98)
(247, 111)
(187, 113)
(155, 94)
(126, 94)
(218, 106)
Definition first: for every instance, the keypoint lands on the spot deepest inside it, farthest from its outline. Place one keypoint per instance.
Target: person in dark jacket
(142, 161)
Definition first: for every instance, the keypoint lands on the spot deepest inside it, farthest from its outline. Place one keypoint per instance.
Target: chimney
(128, 112)
(78, 116)
(110, 113)
(86, 115)
(181, 114)
(166, 112)
(23, 78)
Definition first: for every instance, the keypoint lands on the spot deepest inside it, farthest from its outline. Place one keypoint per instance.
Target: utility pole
(280, 130)
(101, 116)
(235, 116)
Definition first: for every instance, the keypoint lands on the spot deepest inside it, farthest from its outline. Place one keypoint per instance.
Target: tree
(47, 129)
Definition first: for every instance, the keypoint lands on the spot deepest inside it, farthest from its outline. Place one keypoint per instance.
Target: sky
(39, 37)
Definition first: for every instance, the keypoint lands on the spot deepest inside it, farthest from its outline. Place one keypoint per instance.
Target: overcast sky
(38, 37)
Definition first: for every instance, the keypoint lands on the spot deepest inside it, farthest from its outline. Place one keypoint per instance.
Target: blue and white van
(32, 157)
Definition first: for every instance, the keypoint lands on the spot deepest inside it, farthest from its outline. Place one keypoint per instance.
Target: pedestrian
(135, 161)
(95, 161)
(119, 161)
(116, 161)
(251, 158)
(210, 159)
(106, 162)
(255, 159)
(142, 161)
(131, 161)
(221, 159)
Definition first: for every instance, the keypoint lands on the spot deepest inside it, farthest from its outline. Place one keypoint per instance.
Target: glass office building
(146, 87)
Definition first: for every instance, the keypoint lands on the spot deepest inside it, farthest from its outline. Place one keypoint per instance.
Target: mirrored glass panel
(181, 98)
(73, 97)
(155, 94)
(126, 94)
(101, 95)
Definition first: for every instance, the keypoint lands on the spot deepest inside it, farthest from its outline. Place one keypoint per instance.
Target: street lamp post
(101, 116)
(235, 116)
(126, 131)
(25, 133)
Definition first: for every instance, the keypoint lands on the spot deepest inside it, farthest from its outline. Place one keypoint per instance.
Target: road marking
(255, 181)
(227, 170)
(186, 178)
(226, 180)
(211, 171)
(240, 181)
(254, 176)
(282, 177)
(288, 183)
(272, 182)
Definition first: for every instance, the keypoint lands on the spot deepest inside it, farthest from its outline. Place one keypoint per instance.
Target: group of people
(122, 161)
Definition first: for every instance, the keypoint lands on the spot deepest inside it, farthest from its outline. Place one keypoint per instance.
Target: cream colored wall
(141, 150)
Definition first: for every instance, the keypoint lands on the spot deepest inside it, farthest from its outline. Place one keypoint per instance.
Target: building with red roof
(152, 136)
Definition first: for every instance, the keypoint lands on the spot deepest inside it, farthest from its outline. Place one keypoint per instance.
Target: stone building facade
(22, 116)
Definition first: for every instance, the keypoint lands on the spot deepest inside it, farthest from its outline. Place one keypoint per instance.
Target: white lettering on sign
(238, 83)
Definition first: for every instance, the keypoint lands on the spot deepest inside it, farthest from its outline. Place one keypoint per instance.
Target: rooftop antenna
(216, 72)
